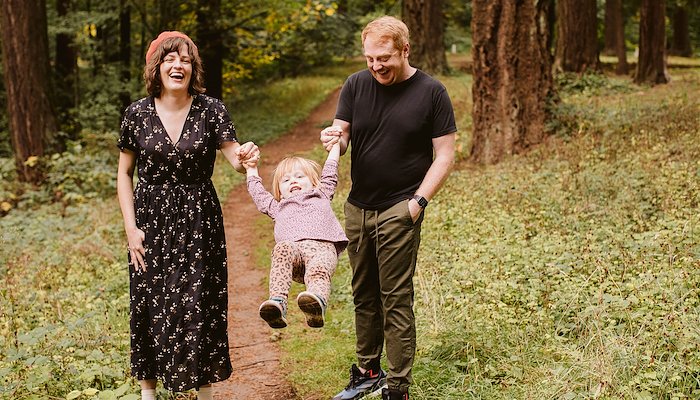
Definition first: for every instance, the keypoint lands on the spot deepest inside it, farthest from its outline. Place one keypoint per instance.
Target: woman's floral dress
(178, 306)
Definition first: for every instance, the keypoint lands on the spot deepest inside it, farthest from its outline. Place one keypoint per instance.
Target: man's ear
(406, 50)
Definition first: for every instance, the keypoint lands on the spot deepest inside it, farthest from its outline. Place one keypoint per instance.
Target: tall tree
(680, 43)
(651, 65)
(211, 45)
(615, 34)
(125, 50)
(512, 76)
(426, 22)
(25, 53)
(66, 61)
(577, 37)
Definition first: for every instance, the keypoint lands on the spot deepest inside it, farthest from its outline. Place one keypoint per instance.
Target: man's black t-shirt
(391, 132)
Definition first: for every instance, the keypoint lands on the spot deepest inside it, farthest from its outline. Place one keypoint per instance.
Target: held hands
(330, 136)
(137, 252)
(248, 155)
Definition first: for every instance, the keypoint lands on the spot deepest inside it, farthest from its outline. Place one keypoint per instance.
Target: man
(396, 117)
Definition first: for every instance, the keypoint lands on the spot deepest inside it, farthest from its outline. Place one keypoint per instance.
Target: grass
(565, 273)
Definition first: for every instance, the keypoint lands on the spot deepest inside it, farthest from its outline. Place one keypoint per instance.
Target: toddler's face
(294, 182)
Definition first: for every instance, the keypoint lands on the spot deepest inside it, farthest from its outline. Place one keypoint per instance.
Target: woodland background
(563, 249)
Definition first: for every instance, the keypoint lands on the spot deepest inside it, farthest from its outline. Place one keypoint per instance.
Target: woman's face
(176, 71)
(294, 182)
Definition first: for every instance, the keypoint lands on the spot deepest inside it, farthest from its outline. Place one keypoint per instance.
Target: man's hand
(330, 136)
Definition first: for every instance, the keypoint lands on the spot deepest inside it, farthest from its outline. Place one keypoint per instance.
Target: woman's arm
(125, 193)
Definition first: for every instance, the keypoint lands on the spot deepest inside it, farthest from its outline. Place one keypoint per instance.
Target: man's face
(387, 64)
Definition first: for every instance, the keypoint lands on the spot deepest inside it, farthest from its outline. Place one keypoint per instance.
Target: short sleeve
(127, 131)
(345, 102)
(444, 115)
(223, 128)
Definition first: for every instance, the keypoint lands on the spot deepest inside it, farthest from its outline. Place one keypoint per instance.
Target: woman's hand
(248, 152)
(136, 250)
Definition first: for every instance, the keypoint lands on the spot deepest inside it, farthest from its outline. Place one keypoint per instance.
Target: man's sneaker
(393, 394)
(361, 384)
(313, 307)
(274, 312)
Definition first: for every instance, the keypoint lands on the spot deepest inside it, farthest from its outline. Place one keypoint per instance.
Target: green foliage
(568, 117)
(64, 298)
(568, 272)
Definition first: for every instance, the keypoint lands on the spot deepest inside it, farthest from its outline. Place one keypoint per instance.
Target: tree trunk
(651, 65)
(426, 22)
(610, 26)
(65, 68)
(615, 35)
(680, 46)
(577, 37)
(25, 54)
(168, 15)
(66, 61)
(125, 50)
(211, 45)
(512, 77)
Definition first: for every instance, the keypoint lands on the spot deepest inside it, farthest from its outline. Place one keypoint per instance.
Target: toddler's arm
(263, 199)
(329, 175)
(334, 152)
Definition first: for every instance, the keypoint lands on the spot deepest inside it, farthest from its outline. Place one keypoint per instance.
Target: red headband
(165, 35)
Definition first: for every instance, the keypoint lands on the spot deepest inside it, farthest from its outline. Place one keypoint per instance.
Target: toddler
(308, 236)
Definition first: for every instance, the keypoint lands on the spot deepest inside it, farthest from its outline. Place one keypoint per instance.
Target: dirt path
(257, 374)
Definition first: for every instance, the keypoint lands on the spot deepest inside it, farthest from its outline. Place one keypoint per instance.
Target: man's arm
(444, 147)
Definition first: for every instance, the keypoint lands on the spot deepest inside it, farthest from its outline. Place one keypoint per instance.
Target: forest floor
(255, 355)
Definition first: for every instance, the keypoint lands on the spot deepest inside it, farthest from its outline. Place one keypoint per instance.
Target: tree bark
(25, 54)
(651, 65)
(512, 77)
(610, 26)
(66, 62)
(65, 79)
(125, 50)
(211, 45)
(615, 35)
(577, 37)
(426, 22)
(680, 44)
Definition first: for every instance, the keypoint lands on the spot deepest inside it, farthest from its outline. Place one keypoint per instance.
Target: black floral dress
(179, 305)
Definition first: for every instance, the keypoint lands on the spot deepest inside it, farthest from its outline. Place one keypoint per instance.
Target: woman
(173, 222)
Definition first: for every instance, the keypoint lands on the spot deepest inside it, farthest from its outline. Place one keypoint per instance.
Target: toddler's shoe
(314, 308)
(274, 312)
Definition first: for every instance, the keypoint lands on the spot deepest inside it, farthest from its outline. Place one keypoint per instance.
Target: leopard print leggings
(311, 262)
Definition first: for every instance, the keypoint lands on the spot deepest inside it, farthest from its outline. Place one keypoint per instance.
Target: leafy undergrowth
(569, 272)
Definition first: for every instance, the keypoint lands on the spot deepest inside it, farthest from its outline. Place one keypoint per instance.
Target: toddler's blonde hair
(310, 168)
